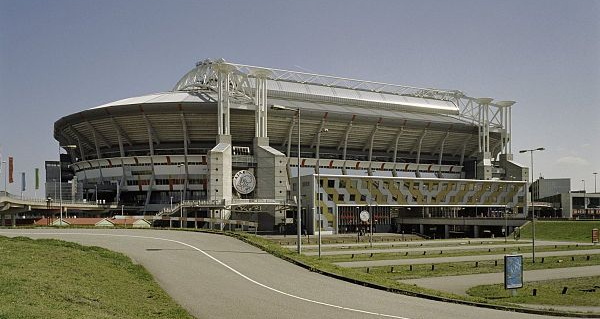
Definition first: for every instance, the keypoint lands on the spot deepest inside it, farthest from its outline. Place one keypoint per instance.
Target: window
(352, 197)
(340, 197)
(342, 183)
(331, 183)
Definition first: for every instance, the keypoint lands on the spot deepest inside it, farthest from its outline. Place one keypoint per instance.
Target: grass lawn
(448, 253)
(583, 291)
(402, 272)
(579, 231)
(55, 279)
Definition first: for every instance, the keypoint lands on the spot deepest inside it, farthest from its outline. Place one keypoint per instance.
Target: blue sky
(61, 57)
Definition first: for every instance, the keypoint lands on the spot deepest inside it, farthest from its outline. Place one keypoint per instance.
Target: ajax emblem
(244, 182)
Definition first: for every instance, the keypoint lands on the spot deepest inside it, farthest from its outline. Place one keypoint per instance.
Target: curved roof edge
(243, 78)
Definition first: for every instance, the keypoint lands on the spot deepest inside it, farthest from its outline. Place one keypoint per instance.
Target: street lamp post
(181, 196)
(5, 174)
(505, 224)
(532, 202)
(371, 213)
(318, 184)
(595, 190)
(60, 181)
(298, 201)
(584, 204)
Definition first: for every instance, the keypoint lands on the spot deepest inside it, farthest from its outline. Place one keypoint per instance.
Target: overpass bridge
(12, 205)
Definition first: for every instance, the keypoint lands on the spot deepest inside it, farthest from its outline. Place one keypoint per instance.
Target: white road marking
(230, 268)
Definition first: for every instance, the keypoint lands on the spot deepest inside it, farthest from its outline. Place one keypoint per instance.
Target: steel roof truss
(152, 134)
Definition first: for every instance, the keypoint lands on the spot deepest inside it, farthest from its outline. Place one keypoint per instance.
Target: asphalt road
(215, 276)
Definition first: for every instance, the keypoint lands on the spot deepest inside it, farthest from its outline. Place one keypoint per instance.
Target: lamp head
(540, 149)
(282, 108)
(522, 151)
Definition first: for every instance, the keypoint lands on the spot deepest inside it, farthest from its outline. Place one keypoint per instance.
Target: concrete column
(446, 231)
(271, 180)
(2, 219)
(421, 229)
(13, 219)
(475, 231)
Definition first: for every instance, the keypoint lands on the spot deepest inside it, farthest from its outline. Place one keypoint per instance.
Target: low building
(561, 202)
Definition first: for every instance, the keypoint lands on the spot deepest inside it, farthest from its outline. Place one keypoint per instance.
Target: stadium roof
(387, 113)
(321, 88)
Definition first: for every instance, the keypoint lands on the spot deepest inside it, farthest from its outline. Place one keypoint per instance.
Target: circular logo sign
(364, 216)
(244, 182)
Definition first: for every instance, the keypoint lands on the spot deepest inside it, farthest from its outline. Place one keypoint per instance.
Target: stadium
(237, 144)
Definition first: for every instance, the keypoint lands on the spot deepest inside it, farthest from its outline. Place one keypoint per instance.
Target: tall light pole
(5, 174)
(584, 204)
(181, 195)
(60, 180)
(318, 185)
(532, 202)
(298, 201)
(595, 190)
(505, 224)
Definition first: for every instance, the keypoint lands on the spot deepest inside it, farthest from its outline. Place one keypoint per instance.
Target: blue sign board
(513, 271)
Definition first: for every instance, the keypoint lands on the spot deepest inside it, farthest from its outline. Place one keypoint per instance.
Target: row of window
(427, 186)
(175, 164)
(162, 181)
(408, 198)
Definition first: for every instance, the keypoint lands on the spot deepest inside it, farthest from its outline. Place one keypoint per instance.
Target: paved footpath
(460, 284)
(437, 260)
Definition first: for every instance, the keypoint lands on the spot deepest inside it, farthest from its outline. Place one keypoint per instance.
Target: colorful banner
(10, 170)
(37, 178)
(22, 181)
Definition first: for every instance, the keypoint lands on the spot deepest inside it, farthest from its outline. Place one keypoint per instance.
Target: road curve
(214, 276)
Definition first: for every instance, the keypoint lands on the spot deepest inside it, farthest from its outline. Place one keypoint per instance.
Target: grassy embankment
(576, 231)
(54, 279)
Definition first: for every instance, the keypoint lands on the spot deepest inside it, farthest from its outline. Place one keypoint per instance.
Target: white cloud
(572, 160)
